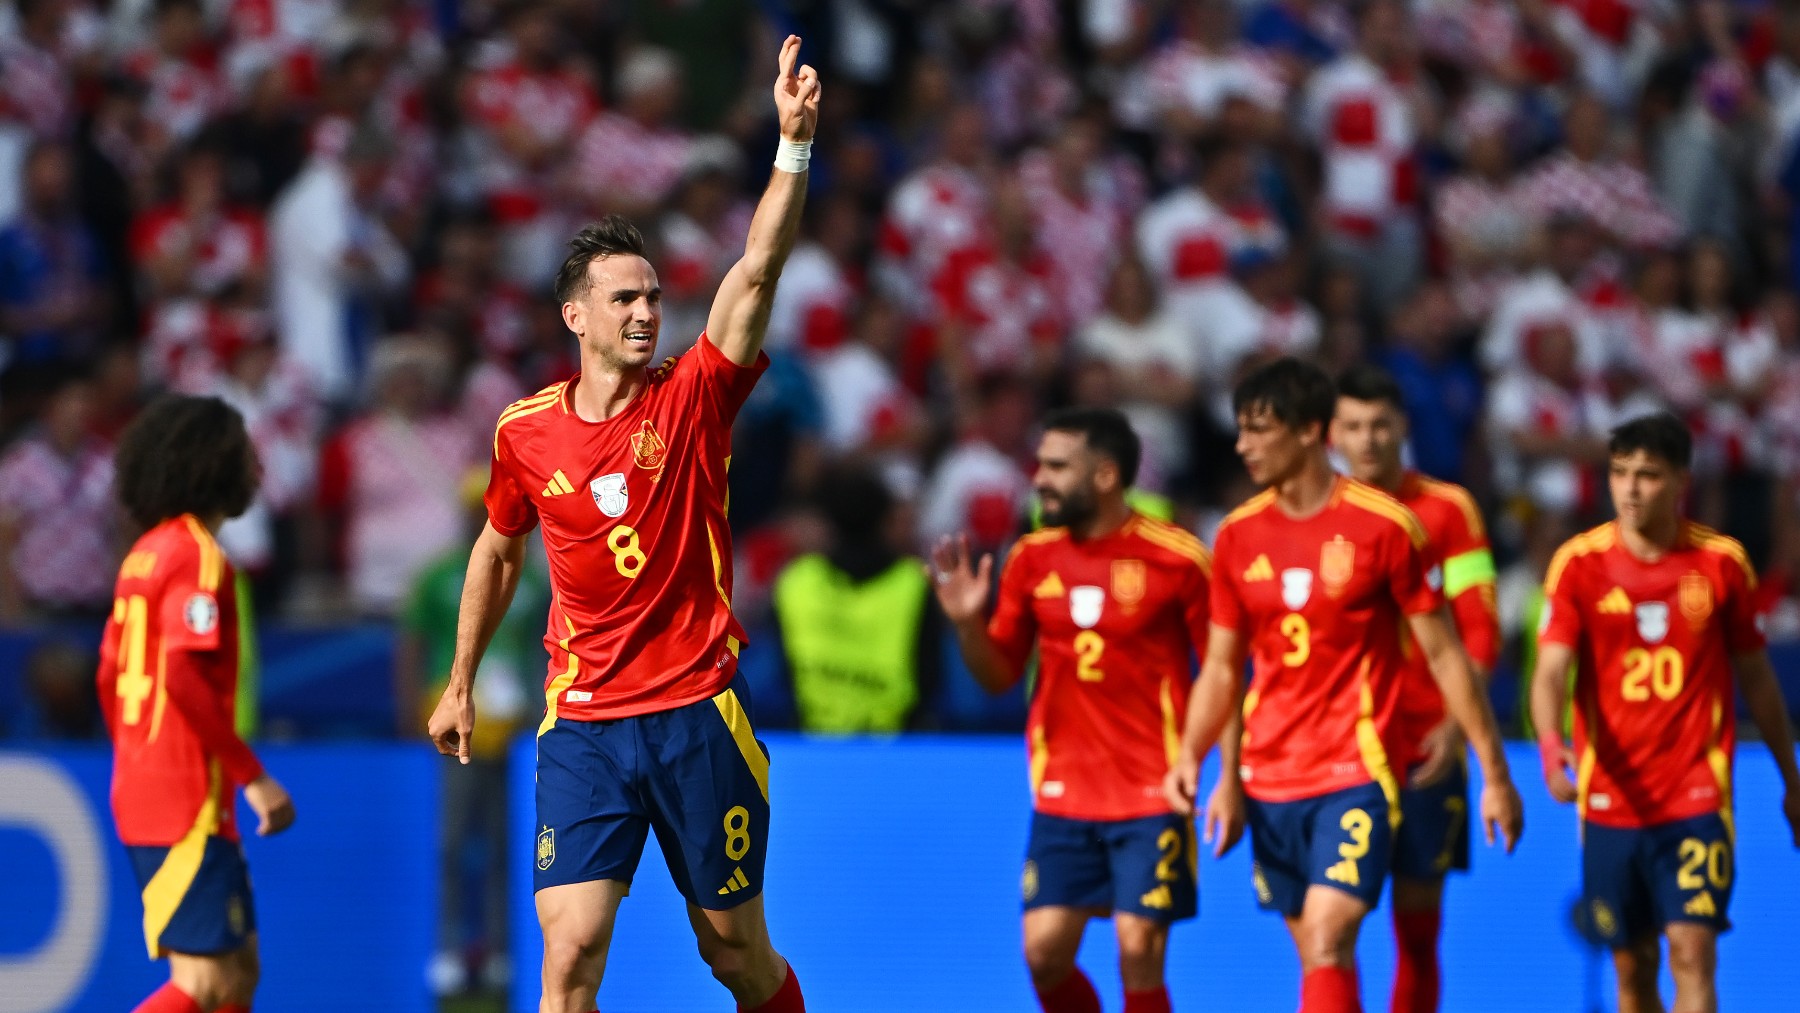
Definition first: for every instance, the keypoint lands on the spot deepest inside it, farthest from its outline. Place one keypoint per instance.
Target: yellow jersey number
(1089, 646)
(1660, 671)
(1295, 627)
(134, 684)
(628, 555)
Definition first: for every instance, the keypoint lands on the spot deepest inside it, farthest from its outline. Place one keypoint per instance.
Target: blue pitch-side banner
(893, 886)
(346, 899)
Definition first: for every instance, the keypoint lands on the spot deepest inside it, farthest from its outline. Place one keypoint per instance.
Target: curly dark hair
(608, 237)
(186, 455)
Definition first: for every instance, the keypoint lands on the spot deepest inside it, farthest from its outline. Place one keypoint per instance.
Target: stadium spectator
(979, 486)
(57, 523)
(53, 284)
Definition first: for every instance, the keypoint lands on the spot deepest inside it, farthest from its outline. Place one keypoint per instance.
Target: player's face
(1646, 490)
(1369, 434)
(1271, 449)
(1064, 481)
(619, 317)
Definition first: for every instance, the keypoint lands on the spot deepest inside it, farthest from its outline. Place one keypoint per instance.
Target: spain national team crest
(610, 494)
(1337, 562)
(1085, 605)
(1028, 881)
(1604, 923)
(1129, 582)
(1695, 598)
(1296, 587)
(1652, 621)
(649, 450)
(546, 849)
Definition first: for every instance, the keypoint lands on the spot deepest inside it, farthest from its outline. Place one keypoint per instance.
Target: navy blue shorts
(696, 775)
(196, 897)
(1634, 882)
(1144, 867)
(1433, 837)
(1342, 840)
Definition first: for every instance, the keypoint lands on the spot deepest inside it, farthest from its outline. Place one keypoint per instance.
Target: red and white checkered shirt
(1082, 233)
(932, 213)
(621, 162)
(552, 105)
(1008, 311)
(1363, 123)
(1186, 240)
(1615, 195)
(1185, 76)
(35, 88)
(225, 249)
(63, 507)
(184, 92)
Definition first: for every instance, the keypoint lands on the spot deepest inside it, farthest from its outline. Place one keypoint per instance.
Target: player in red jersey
(1316, 577)
(1115, 604)
(168, 687)
(1368, 430)
(648, 726)
(1655, 613)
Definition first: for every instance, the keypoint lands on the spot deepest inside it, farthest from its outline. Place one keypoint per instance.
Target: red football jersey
(1119, 623)
(633, 511)
(168, 686)
(1655, 718)
(1455, 541)
(1321, 602)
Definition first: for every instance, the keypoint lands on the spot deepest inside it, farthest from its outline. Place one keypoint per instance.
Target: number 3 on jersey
(628, 555)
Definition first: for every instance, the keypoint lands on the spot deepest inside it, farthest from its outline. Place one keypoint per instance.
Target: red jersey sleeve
(190, 615)
(1013, 628)
(1561, 622)
(1196, 608)
(1743, 635)
(1469, 580)
(723, 385)
(1225, 607)
(509, 509)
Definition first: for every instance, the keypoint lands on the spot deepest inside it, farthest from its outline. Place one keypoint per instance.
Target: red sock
(1149, 1000)
(1416, 966)
(245, 1008)
(1329, 990)
(1074, 994)
(787, 998)
(168, 999)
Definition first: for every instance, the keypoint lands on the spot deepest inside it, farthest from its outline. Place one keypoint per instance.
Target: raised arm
(493, 576)
(740, 312)
(962, 592)
(1463, 696)
(1762, 695)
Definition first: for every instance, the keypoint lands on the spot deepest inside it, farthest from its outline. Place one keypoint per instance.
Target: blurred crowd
(1544, 216)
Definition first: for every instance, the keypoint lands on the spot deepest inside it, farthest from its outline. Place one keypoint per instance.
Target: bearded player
(1655, 613)
(647, 724)
(1115, 604)
(1369, 430)
(1315, 578)
(168, 687)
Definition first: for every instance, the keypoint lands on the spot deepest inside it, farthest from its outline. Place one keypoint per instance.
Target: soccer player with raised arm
(1368, 431)
(1654, 612)
(1116, 605)
(1315, 578)
(168, 687)
(648, 727)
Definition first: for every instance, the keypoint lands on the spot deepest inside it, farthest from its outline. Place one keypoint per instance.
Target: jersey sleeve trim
(1458, 497)
(1177, 541)
(1250, 508)
(546, 398)
(1708, 540)
(1382, 505)
(1595, 540)
(212, 560)
(1468, 570)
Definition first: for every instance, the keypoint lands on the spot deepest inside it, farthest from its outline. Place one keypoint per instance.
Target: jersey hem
(1330, 788)
(655, 707)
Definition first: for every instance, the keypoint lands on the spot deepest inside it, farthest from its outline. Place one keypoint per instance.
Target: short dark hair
(1366, 381)
(1295, 392)
(608, 237)
(855, 501)
(185, 455)
(1659, 435)
(1107, 432)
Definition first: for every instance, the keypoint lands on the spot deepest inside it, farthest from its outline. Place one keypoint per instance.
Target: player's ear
(573, 317)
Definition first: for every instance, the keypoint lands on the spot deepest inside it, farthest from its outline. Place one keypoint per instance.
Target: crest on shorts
(1653, 621)
(1085, 605)
(546, 849)
(1337, 561)
(1028, 880)
(1604, 922)
(1296, 587)
(649, 450)
(609, 493)
(1695, 598)
(1129, 581)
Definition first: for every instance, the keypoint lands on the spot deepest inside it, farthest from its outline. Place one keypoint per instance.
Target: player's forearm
(1547, 697)
(984, 658)
(1231, 742)
(1468, 704)
(1762, 697)
(773, 230)
(1210, 708)
(488, 587)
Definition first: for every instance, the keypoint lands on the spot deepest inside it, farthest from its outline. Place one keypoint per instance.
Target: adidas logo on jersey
(735, 883)
(1616, 603)
(1159, 899)
(1261, 569)
(1701, 906)
(1344, 872)
(559, 485)
(1049, 587)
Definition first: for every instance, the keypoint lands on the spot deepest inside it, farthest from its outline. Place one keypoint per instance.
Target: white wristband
(793, 156)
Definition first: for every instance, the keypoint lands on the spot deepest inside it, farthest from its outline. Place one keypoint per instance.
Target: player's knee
(1049, 959)
(1141, 945)
(246, 973)
(1692, 957)
(1327, 945)
(733, 962)
(570, 960)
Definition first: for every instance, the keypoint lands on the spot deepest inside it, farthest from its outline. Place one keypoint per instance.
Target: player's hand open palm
(1502, 813)
(961, 583)
(453, 722)
(269, 800)
(796, 94)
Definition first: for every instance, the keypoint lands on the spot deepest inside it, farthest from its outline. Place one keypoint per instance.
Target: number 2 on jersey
(134, 685)
(1088, 648)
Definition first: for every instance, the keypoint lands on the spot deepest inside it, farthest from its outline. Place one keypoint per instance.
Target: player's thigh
(1433, 837)
(1153, 866)
(1066, 866)
(591, 822)
(1616, 909)
(1350, 847)
(1693, 952)
(707, 786)
(1327, 928)
(1690, 866)
(577, 922)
